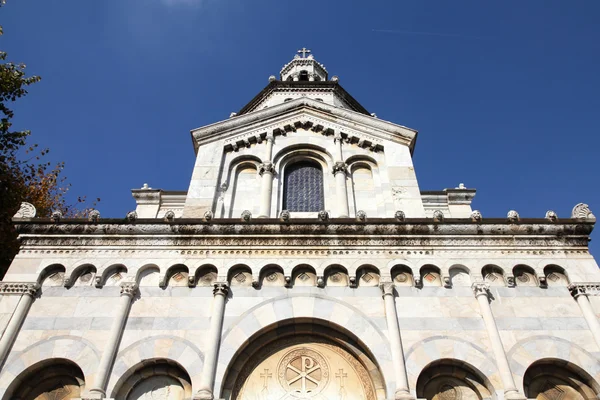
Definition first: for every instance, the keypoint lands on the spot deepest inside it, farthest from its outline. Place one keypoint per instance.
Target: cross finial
(304, 51)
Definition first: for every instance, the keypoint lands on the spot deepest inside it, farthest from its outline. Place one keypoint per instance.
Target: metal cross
(304, 51)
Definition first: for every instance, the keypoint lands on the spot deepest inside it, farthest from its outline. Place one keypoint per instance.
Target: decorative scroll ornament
(221, 288)
(340, 166)
(361, 215)
(267, 167)
(56, 216)
(551, 216)
(246, 216)
(170, 216)
(323, 216)
(29, 289)
(94, 216)
(129, 289)
(400, 216)
(476, 216)
(582, 211)
(285, 215)
(513, 216)
(27, 210)
(208, 216)
(132, 216)
(438, 216)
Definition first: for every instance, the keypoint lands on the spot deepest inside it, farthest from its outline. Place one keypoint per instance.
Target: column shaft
(266, 170)
(209, 369)
(581, 296)
(128, 292)
(391, 317)
(510, 389)
(16, 321)
(342, 194)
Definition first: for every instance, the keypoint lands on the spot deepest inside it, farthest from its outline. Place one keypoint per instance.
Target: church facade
(303, 262)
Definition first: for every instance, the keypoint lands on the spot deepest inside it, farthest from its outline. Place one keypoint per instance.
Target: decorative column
(28, 291)
(340, 169)
(209, 370)
(481, 291)
(391, 316)
(266, 171)
(128, 293)
(581, 292)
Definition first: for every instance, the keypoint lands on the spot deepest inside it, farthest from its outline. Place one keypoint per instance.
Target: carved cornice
(129, 289)
(584, 289)
(221, 289)
(19, 288)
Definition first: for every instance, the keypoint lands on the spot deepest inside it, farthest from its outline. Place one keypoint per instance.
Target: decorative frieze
(19, 288)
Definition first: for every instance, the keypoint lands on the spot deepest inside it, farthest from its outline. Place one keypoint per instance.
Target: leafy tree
(24, 175)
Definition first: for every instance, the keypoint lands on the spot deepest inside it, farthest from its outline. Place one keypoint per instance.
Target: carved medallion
(367, 277)
(449, 392)
(401, 277)
(303, 373)
(524, 278)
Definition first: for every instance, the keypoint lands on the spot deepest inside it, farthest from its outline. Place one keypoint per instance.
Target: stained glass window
(303, 187)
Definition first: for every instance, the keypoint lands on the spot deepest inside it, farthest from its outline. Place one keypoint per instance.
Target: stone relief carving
(246, 216)
(170, 216)
(323, 216)
(476, 216)
(208, 216)
(132, 216)
(27, 210)
(361, 215)
(582, 211)
(56, 216)
(513, 216)
(94, 216)
(438, 216)
(400, 216)
(285, 215)
(267, 167)
(340, 166)
(551, 216)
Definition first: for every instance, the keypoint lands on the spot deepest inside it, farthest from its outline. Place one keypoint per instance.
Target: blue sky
(505, 94)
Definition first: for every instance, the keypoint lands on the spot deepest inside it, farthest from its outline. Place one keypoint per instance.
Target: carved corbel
(320, 282)
(191, 281)
(447, 282)
(543, 281)
(352, 282)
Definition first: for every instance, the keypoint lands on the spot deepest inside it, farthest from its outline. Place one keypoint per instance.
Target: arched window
(303, 76)
(303, 187)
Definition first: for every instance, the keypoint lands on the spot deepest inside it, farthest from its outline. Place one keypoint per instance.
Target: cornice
(271, 120)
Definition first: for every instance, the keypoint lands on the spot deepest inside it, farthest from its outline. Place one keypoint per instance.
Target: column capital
(267, 167)
(19, 288)
(270, 137)
(340, 166)
(129, 289)
(578, 289)
(221, 288)
(337, 137)
(387, 288)
(481, 289)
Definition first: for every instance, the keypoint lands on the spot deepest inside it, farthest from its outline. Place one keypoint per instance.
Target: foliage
(24, 176)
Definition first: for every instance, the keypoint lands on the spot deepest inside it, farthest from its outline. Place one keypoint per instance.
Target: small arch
(556, 275)
(402, 275)
(459, 276)
(177, 275)
(304, 275)
(524, 275)
(52, 275)
(113, 275)
(206, 275)
(493, 275)
(148, 275)
(240, 275)
(272, 275)
(430, 275)
(368, 275)
(47, 377)
(336, 275)
(154, 377)
(244, 188)
(453, 379)
(83, 275)
(552, 378)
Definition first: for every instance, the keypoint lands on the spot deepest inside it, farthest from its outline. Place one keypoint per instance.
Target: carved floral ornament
(582, 211)
(27, 210)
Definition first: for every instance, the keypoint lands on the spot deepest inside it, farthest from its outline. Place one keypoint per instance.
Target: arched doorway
(552, 379)
(49, 379)
(157, 379)
(449, 379)
(303, 361)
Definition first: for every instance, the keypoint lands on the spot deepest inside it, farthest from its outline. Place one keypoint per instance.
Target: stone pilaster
(482, 293)
(580, 293)
(28, 292)
(391, 317)
(128, 293)
(209, 370)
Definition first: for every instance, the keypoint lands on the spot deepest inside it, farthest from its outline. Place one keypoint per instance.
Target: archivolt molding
(73, 348)
(527, 351)
(424, 352)
(304, 306)
(169, 347)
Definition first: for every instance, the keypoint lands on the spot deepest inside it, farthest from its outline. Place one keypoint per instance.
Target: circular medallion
(401, 277)
(303, 373)
(449, 392)
(523, 278)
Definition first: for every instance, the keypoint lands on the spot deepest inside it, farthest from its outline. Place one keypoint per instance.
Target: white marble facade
(250, 285)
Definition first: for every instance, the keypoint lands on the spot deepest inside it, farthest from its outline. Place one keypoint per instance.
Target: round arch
(305, 307)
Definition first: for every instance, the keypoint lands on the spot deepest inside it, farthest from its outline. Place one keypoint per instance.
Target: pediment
(245, 130)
